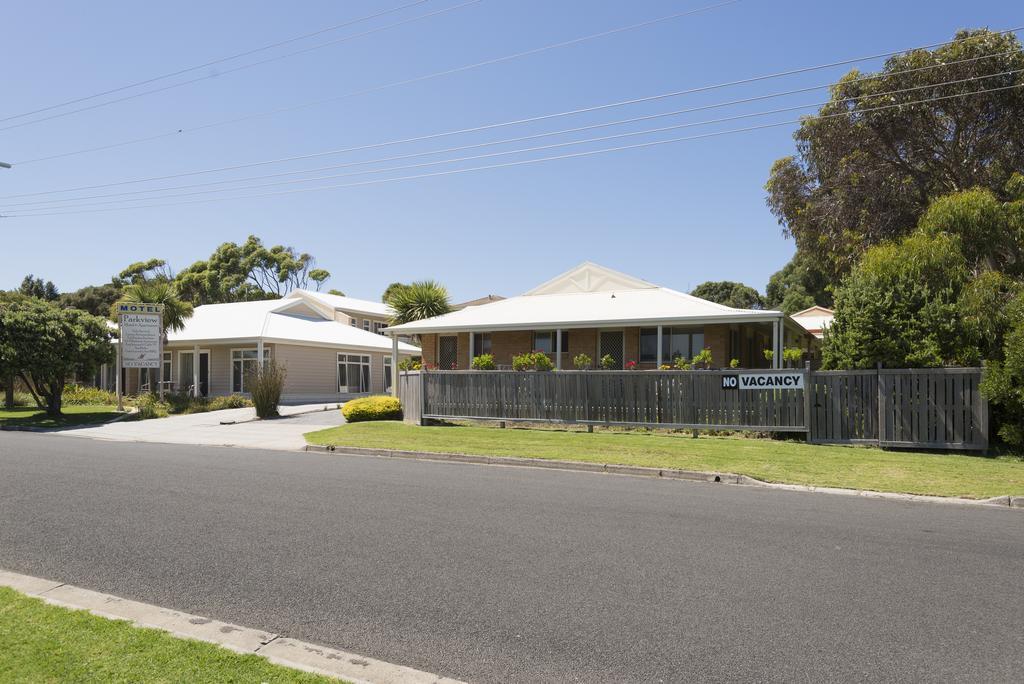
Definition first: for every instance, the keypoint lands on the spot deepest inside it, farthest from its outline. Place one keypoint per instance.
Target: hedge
(380, 407)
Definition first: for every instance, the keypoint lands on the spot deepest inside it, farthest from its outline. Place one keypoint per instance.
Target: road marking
(278, 649)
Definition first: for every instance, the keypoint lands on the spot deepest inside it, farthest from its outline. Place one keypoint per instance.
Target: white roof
(347, 304)
(286, 320)
(588, 296)
(814, 319)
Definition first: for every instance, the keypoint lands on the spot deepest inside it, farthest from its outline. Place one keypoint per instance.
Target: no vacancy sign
(140, 335)
(754, 381)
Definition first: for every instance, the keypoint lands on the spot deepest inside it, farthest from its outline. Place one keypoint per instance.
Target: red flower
(631, 365)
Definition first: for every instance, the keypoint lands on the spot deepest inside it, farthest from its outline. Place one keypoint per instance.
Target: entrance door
(610, 343)
(447, 352)
(185, 375)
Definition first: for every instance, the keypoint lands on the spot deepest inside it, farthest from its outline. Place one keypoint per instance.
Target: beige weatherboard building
(597, 311)
(332, 348)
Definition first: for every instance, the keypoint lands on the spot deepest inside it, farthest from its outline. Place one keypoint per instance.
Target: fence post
(882, 399)
(422, 377)
(808, 389)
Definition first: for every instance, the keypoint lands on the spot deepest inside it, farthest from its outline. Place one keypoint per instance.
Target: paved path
(498, 574)
(209, 428)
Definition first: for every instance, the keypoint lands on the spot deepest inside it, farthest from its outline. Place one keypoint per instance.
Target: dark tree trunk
(9, 392)
(55, 399)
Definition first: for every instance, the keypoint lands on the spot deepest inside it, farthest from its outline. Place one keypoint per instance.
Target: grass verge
(30, 416)
(44, 643)
(940, 474)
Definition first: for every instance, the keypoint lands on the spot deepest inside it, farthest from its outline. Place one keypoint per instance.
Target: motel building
(596, 311)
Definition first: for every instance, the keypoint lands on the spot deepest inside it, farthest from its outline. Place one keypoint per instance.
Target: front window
(387, 373)
(648, 345)
(547, 341)
(682, 342)
(243, 361)
(353, 373)
(481, 343)
(366, 324)
(166, 369)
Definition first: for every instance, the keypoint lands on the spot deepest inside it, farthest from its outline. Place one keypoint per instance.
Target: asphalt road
(516, 574)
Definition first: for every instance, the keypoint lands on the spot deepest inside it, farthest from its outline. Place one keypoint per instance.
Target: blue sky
(674, 214)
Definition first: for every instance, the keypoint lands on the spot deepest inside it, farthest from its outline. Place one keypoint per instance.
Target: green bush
(532, 361)
(149, 406)
(680, 363)
(413, 363)
(702, 359)
(484, 362)
(265, 383)
(522, 362)
(78, 395)
(734, 363)
(607, 362)
(381, 407)
(581, 361)
(232, 401)
(792, 356)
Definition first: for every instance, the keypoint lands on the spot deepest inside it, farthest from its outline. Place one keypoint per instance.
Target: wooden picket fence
(933, 408)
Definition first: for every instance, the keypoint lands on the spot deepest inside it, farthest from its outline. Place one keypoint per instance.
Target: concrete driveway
(232, 427)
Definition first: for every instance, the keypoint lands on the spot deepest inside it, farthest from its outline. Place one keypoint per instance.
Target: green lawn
(44, 643)
(941, 474)
(86, 414)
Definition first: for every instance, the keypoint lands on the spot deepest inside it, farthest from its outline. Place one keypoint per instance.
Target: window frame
(343, 359)
(242, 360)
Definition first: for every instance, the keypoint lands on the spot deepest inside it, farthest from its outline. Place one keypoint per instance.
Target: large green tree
(47, 345)
(865, 170)
(94, 299)
(900, 307)
(797, 286)
(38, 288)
(1003, 382)
(729, 293)
(176, 310)
(248, 271)
(419, 300)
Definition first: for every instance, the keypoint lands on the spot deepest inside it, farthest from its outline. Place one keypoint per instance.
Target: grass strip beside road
(86, 414)
(45, 643)
(792, 462)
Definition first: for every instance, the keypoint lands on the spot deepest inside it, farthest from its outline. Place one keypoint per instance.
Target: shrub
(149, 406)
(769, 355)
(265, 382)
(792, 356)
(410, 364)
(734, 363)
(581, 361)
(680, 363)
(79, 395)
(703, 359)
(484, 362)
(542, 362)
(664, 366)
(607, 362)
(232, 401)
(522, 362)
(380, 407)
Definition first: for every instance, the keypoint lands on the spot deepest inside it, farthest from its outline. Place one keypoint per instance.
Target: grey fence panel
(844, 406)
(410, 393)
(655, 398)
(933, 408)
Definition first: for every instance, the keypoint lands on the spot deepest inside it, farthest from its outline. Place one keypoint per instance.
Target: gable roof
(288, 320)
(588, 296)
(814, 319)
(346, 304)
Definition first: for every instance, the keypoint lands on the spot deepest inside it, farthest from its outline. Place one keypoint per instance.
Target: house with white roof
(332, 348)
(814, 320)
(596, 311)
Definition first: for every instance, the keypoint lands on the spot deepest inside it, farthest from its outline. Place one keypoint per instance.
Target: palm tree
(419, 300)
(176, 310)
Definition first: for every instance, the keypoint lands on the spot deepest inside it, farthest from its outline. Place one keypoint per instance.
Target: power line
(651, 98)
(690, 91)
(242, 67)
(512, 140)
(395, 84)
(573, 155)
(220, 60)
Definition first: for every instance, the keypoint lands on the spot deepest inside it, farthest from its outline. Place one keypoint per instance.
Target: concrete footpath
(276, 648)
(232, 427)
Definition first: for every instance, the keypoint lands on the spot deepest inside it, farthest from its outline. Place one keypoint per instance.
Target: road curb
(278, 649)
(1015, 502)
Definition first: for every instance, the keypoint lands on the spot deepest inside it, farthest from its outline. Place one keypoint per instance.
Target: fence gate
(934, 408)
